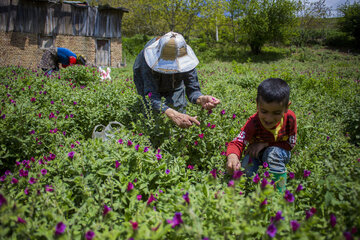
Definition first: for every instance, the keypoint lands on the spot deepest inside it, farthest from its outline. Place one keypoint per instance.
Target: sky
(334, 4)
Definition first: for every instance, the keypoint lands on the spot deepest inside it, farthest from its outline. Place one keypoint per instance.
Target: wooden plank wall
(47, 18)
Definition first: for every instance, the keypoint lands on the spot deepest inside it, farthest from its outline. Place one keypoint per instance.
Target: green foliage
(350, 23)
(267, 21)
(74, 190)
(132, 46)
(80, 75)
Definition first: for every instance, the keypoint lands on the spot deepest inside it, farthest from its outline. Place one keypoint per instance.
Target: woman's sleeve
(192, 86)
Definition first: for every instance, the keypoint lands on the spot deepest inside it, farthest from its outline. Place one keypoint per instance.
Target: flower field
(155, 181)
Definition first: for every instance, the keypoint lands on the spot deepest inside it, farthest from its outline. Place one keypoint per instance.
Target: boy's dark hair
(274, 90)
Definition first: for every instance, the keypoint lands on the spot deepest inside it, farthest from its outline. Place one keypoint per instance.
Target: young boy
(270, 133)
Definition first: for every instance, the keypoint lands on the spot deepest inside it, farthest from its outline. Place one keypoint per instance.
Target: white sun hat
(170, 54)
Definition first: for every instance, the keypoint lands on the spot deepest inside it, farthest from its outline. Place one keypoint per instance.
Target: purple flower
(2, 200)
(26, 191)
(7, 172)
(137, 147)
(75, 103)
(256, 179)
(263, 203)
(49, 188)
(299, 188)
(72, 145)
(291, 175)
(129, 143)
(117, 164)
(233, 116)
(201, 136)
(222, 112)
(71, 154)
(134, 225)
(106, 210)
(289, 196)
(89, 235)
(146, 149)
(347, 236)
(32, 180)
(177, 220)
(332, 220)
(130, 186)
(306, 173)
(237, 174)
(138, 197)
(231, 183)
(52, 156)
(167, 171)
(149, 94)
(213, 173)
(271, 230)
(52, 102)
(32, 132)
(43, 171)
(20, 220)
(33, 99)
(158, 156)
(264, 182)
(191, 167)
(151, 199)
(327, 138)
(60, 228)
(186, 198)
(2, 178)
(265, 164)
(277, 217)
(120, 141)
(267, 174)
(3, 116)
(213, 126)
(310, 213)
(294, 225)
(14, 181)
(23, 173)
(210, 112)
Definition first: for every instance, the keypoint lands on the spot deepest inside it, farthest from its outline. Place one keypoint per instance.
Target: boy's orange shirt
(283, 135)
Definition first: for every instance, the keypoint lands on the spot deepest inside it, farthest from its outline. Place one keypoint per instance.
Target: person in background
(166, 68)
(52, 57)
(269, 134)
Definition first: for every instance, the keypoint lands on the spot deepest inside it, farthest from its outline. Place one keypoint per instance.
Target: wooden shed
(28, 27)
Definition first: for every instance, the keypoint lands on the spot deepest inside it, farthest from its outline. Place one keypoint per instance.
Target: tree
(268, 21)
(180, 15)
(350, 22)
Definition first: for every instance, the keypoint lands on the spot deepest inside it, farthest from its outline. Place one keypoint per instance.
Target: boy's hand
(254, 149)
(233, 163)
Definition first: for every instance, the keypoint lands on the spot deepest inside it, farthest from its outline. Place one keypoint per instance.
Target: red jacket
(283, 136)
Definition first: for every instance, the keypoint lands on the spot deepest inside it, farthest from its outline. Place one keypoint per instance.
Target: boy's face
(270, 114)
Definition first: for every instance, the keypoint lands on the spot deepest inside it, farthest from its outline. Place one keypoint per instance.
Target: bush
(350, 23)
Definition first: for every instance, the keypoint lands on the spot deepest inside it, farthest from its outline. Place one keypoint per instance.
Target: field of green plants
(156, 181)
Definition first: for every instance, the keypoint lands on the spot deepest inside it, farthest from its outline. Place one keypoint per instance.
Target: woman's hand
(233, 163)
(207, 102)
(254, 149)
(180, 119)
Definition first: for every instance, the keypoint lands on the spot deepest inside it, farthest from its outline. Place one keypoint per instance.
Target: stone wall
(23, 49)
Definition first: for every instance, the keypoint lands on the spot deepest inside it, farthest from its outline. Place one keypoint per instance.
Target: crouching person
(268, 135)
(54, 56)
